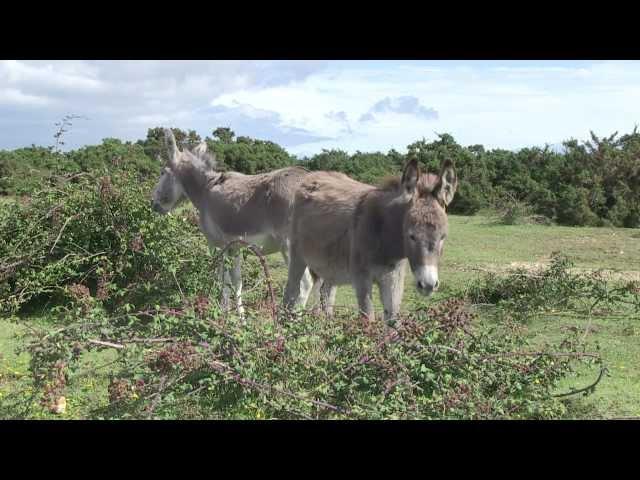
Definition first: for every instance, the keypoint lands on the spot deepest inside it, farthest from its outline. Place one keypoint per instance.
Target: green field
(475, 246)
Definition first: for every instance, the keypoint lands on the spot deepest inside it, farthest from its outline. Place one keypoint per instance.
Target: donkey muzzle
(426, 279)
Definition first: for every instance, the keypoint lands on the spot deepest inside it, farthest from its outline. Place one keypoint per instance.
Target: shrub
(527, 293)
(187, 362)
(99, 232)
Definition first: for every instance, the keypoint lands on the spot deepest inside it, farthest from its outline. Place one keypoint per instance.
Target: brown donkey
(348, 232)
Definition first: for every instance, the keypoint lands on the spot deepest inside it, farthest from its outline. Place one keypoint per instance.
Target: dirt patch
(536, 267)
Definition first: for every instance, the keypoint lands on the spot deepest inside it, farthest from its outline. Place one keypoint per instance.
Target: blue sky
(306, 106)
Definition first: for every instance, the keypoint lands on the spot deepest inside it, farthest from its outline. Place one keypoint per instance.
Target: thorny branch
(265, 268)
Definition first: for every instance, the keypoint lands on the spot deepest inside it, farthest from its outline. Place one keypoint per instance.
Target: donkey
(349, 232)
(232, 206)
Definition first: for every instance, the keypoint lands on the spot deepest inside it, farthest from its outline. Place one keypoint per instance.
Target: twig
(603, 370)
(540, 354)
(107, 344)
(11, 265)
(151, 340)
(265, 268)
(177, 283)
(157, 396)
(72, 217)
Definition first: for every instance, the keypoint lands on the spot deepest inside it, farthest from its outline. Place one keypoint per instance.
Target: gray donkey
(232, 206)
(349, 232)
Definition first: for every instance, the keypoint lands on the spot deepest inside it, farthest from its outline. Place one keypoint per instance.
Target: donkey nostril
(421, 284)
(436, 285)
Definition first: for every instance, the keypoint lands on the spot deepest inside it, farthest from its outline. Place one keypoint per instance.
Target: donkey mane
(425, 186)
(201, 160)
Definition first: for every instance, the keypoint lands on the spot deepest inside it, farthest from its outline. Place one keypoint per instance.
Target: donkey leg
(328, 298)
(236, 280)
(306, 287)
(391, 285)
(363, 293)
(297, 269)
(315, 300)
(225, 280)
(306, 282)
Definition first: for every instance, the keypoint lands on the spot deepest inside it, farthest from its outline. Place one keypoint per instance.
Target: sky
(307, 106)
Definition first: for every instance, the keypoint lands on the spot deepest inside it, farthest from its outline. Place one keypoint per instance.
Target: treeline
(594, 183)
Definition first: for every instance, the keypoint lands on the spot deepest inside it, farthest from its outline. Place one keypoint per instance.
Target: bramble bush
(190, 362)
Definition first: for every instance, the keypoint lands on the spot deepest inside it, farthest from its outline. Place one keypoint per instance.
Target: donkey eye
(412, 237)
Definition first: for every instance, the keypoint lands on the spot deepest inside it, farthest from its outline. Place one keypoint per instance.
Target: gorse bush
(596, 183)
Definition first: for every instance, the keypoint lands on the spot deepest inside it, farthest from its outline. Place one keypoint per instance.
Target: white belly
(265, 241)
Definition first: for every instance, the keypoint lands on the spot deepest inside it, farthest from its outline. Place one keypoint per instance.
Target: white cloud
(14, 97)
(50, 76)
(306, 106)
(125, 98)
(406, 105)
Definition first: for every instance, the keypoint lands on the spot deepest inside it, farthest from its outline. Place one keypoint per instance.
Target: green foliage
(100, 233)
(189, 362)
(555, 288)
(592, 184)
(25, 170)
(224, 134)
(364, 167)
(249, 156)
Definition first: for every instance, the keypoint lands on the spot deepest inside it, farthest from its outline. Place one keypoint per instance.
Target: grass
(475, 246)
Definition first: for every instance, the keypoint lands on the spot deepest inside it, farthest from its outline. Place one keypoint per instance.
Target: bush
(100, 233)
(573, 208)
(189, 362)
(116, 275)
(595, 183)
(528, 293)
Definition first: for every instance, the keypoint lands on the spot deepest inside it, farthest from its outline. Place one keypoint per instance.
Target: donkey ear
(410, 177)
(446, 188)
(210, 160)
(201, 149)
(172, 147)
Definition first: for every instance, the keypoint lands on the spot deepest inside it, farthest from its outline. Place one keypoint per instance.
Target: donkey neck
(387, 223)
(194, 183)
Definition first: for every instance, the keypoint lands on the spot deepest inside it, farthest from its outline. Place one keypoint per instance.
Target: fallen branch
(107, 344)
(603, 370)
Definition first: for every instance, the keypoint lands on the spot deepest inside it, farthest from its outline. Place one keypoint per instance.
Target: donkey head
(169, 191)
(425, 224)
